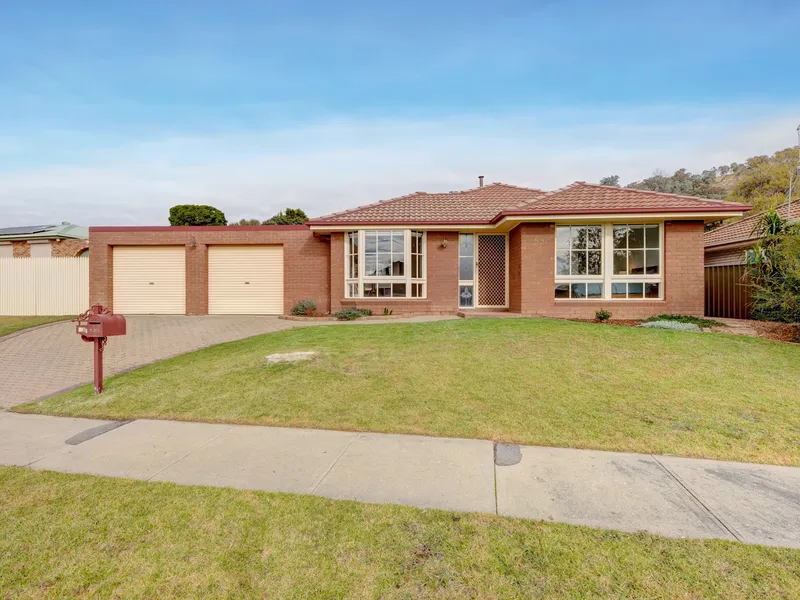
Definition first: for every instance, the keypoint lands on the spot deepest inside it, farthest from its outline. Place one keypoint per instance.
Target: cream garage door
(245, 280)
(150, 280)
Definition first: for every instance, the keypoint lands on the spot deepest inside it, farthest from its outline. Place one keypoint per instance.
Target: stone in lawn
(289, 357)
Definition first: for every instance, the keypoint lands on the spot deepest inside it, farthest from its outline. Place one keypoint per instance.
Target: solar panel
(30, 229)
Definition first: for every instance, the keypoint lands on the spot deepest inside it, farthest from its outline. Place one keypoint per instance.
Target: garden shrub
(602, 315)
(305, 308)
(672, 325)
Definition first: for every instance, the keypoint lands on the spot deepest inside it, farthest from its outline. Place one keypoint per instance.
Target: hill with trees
(760, 181)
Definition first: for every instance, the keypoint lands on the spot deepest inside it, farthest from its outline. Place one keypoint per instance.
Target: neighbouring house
(564, 253)
(40, 241)
(727, 244)
(727, 292)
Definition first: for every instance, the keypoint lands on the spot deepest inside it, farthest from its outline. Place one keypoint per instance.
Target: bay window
(609, 261)
(385, 264)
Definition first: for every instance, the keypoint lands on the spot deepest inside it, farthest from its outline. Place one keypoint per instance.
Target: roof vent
(480, 180)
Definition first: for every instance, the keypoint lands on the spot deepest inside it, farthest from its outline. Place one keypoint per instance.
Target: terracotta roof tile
(492, 202)
(590, 198)
(742, 230)
(476, 205)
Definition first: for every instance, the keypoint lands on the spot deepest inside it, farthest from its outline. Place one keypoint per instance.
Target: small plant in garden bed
(387, 312)
(305, 308)
(602, 315)
(686, 319)
(352, 313)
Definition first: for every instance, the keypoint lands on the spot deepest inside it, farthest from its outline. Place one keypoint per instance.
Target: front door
(492, 277)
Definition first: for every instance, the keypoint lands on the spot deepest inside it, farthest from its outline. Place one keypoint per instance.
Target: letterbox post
(99, 343)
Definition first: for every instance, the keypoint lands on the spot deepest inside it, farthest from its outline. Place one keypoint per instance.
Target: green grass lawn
(78, 536)
(530, 381)
(14, 324)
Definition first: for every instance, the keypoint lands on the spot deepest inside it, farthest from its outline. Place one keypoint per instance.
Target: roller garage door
(245, 280)
(150, 280)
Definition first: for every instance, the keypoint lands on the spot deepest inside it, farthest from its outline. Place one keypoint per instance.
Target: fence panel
(44, 286)
(727, 292)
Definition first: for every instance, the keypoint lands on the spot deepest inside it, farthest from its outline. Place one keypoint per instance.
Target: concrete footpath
(675, 497)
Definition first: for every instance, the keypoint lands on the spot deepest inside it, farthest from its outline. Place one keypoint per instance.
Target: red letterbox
(95, 325)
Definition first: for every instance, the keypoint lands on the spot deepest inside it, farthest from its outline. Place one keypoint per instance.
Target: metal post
(98, 364)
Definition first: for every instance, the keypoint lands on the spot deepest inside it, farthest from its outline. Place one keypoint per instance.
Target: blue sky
(120, 109)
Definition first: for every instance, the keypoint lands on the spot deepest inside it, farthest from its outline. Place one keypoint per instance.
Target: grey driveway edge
(674, 497)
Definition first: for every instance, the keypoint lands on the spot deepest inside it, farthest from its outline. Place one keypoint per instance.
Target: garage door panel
(150, 280)
(245, 279)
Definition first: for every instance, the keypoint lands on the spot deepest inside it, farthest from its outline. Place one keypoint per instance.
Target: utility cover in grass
(289, 357)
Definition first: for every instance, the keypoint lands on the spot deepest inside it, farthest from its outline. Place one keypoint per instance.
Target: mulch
(779, 332)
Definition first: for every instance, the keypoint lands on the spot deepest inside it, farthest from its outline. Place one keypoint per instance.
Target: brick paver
(49, 359)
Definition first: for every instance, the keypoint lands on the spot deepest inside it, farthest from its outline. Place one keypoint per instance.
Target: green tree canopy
(612, 180)
(196, 215)
(291, 216)
(763, 181)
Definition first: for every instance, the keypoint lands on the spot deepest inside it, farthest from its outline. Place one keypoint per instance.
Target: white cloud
(330, 166)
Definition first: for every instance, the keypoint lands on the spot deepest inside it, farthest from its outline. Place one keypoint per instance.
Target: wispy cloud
(340, 163)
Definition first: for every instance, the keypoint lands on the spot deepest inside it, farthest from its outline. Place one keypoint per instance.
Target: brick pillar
(337, 271)
(101, 274)
(196, 279)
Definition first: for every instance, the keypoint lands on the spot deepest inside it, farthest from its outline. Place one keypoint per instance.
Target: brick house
(39, 241)
(564, 253)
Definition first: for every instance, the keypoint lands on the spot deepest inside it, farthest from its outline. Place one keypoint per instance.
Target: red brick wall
(68, 247)
(532, 268)
(306, 259)
(21, 249)
(442, 279)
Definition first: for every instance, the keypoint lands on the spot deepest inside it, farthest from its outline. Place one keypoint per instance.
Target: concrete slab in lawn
(138, 450)
(28, 438)
(419, 471)
(262, 458)
(611, 490)
(760, 502)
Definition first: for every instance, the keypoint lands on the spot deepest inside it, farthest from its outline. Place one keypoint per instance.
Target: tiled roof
(477, 205)
(491, 203)
(742, 230)
(581, 197)
(30, 232)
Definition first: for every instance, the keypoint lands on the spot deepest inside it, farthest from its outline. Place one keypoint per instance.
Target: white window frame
(474, 281)
(407, 279)
(607, 278)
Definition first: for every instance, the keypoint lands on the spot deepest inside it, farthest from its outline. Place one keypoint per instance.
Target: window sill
(614, 300)
(384, 299)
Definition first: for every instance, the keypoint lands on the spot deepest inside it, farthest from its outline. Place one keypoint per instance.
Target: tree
(612, 180)
(292, 216)
(763, 181)
(196, 215)
(245, 222)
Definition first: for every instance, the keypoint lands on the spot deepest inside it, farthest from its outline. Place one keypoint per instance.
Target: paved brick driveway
(52, 358)
(47, 360)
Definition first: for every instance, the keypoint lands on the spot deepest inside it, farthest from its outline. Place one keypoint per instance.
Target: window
(636, 249)
(631, 269)
(579, 250)
(385, 264)
(466, 270)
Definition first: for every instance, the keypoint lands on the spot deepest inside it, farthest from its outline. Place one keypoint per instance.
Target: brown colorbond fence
(727, 294)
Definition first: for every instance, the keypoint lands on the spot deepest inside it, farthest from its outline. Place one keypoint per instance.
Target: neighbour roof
(742, 230)
(480, 204)
(32, 232)
(493, 202)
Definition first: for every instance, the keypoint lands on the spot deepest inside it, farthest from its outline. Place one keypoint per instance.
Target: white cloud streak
(338, 164)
